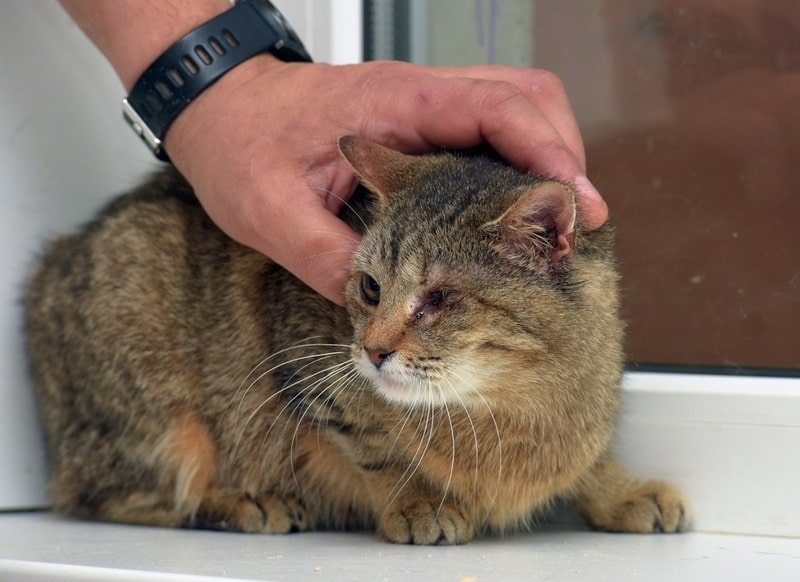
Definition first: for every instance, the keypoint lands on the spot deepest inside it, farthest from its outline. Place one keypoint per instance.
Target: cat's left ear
(539, 227)
(380, 169)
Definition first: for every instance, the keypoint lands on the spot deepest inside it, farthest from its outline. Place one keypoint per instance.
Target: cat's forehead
(415, 244)
(436, 223)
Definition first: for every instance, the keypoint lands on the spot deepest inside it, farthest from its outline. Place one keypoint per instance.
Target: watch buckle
(142, 129)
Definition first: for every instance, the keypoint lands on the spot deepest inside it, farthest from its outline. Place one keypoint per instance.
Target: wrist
(133, 33)
(199, 59)
(196, 126)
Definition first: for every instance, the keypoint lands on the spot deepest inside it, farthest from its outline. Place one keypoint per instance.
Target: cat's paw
(282, 515)
(425, 522)
(241, 512)
(651, 507)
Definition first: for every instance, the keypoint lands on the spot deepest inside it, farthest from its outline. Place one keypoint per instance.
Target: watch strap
(201, 57)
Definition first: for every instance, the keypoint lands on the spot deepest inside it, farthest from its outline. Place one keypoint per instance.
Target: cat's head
(462, 280)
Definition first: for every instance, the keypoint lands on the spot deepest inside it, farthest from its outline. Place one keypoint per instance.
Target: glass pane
(690, 110)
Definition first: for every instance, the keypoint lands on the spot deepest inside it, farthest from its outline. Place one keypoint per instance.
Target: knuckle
(495, 94)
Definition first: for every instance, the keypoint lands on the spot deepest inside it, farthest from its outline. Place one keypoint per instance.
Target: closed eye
(437, 300)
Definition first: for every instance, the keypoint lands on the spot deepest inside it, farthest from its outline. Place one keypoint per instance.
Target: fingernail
(594, 210)
(585, 188)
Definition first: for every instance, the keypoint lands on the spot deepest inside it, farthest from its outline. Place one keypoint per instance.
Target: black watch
(201, 57)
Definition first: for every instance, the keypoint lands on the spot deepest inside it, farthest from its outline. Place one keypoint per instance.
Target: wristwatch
(201, 57)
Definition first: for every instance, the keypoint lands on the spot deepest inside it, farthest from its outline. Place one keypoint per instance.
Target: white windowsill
(43, 546)
(731, 443)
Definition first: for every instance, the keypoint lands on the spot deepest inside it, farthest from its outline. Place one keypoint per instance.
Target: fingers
(543, 90)
(546, 92)
(528, 121)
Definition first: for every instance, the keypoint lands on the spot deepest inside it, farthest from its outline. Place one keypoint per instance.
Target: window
(689, 111)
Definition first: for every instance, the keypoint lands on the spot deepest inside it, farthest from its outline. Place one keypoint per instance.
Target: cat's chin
(407, 392)
(401, 390)
(397, 385)
(397, 391)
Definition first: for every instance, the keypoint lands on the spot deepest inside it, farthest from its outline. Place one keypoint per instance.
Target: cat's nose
(378, 355)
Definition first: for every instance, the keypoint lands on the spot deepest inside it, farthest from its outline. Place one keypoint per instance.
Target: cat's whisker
(299, 397)
(344, 203)
(313, 357)
(322, 381)
(499, 481)
(322, 414)
(428, 419)
(346, 385)
(421, 412)
(452, 454)
(475, 445)
(348, 238)
(468, 415)
(287, 386)
(299, 345)
(301, 393)
(401, 423)
(275, 394)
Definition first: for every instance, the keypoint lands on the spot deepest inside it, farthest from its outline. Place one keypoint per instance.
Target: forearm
(133, 33)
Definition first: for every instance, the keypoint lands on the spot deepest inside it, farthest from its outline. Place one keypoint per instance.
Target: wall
(63, 150)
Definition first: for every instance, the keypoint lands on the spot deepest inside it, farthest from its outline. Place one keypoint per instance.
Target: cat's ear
(539, 228)
(380, 169)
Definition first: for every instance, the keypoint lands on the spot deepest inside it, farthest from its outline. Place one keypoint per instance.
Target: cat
(185, 380)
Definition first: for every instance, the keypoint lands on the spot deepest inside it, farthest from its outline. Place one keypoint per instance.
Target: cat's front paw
(240, 512)
(282, 515)
(651, 507)
(426, 522)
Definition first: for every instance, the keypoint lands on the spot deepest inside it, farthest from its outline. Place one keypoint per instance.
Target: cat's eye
(370, 290)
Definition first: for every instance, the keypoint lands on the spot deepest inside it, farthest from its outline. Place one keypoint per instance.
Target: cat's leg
(219, 509)
(186, 459)
(610, 499)
(139, 508)
(173, 483)
(138, 475)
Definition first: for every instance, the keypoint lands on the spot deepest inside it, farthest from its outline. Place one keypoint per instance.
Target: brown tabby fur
(185, 380)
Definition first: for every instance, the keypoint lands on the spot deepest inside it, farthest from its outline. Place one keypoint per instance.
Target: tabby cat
(187, 381)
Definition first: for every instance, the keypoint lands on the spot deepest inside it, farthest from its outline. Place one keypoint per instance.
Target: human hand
(260, 146)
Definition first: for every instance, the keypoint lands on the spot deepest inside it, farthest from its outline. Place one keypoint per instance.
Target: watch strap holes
(203, 54)
(217, 46)
(145, 109)
(163, 89)
(175, 77)
(229, 39)
(153, 103)
(189, 65)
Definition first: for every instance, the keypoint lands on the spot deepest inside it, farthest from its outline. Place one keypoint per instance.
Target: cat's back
(136, 246)
(147, 280)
